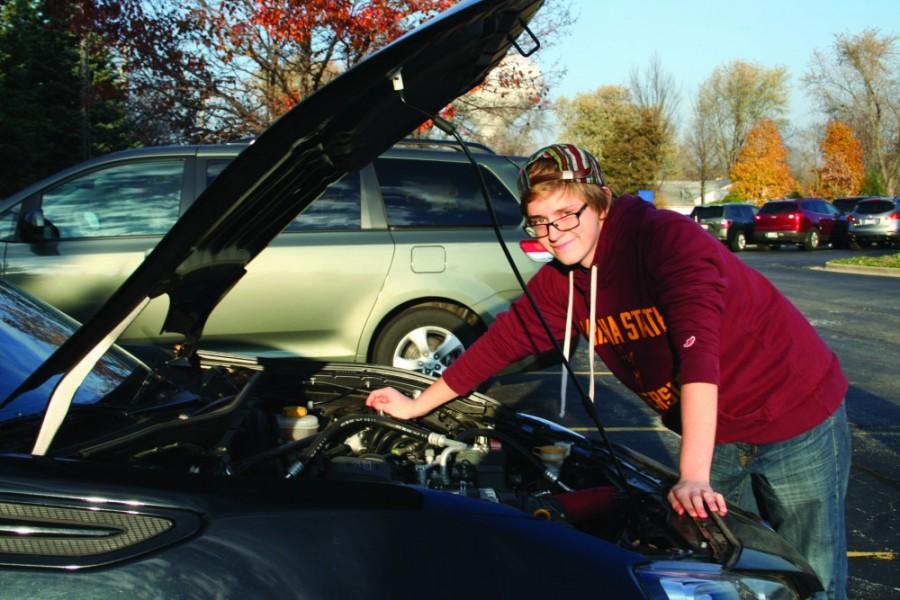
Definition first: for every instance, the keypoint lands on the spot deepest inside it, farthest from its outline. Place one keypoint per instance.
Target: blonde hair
(592, 193)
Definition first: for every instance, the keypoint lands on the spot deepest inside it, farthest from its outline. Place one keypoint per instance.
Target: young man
(702, 338)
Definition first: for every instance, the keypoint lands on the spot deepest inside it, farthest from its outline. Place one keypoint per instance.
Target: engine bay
(294, 421)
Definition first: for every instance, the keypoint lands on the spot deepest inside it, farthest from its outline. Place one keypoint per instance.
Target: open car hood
(340, 128)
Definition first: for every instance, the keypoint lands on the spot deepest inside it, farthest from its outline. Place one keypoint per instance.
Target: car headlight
(707, 581)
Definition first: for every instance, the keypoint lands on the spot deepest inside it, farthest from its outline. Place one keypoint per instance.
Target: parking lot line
(586, 373)
(883, 555)
(593, 429)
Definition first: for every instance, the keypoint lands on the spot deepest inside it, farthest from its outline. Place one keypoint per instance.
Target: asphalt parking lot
(857, 315)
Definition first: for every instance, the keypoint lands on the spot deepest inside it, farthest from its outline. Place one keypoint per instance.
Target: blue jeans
(799, 486)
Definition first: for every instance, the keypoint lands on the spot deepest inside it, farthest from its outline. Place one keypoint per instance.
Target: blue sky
(692, 37)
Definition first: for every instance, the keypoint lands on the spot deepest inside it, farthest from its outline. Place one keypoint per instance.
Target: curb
(860, 269)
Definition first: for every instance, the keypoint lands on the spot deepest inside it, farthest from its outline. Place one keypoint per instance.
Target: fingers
(378, 398)
(391, 402)
(677, 506)
(717, 504)
(696, 507)
(696, 501)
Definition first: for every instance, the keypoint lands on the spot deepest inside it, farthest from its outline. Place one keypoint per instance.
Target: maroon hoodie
(674, 306)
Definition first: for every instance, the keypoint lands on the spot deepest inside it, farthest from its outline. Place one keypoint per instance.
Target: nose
(553, 233)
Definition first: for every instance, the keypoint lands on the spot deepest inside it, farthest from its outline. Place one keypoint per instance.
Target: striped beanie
(574, 164)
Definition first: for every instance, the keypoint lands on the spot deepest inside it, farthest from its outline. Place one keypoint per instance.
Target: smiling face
(575, 246)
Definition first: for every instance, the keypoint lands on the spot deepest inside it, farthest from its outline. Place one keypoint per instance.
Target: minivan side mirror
(34, 228)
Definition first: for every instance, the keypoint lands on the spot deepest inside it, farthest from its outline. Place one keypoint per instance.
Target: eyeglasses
(564, 223)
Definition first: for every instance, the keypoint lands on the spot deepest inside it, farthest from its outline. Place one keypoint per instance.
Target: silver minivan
(396, 263)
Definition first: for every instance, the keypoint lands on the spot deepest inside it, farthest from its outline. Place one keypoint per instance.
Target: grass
(888, 260)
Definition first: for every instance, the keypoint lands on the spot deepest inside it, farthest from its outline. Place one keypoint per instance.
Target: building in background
(683, 195)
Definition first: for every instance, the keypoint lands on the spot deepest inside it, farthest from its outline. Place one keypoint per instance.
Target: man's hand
(394, 403)
(403, 407)
(694, 496)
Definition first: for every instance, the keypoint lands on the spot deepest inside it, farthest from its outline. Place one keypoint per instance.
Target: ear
(607, 192)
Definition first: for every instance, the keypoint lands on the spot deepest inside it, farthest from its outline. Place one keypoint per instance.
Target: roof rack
(241, 140)
(443, 144)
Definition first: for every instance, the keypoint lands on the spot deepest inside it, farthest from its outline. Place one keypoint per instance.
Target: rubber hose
(509, 441)
(359, 421)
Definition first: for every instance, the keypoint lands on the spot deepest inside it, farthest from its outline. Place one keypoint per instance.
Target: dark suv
(396, 263)
(806, 222)
(730, 223)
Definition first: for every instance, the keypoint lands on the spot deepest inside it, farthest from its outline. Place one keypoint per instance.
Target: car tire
(738, 241)
(410, 339)
(811, 242)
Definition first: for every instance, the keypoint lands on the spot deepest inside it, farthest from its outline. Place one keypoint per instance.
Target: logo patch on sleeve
(689, 342)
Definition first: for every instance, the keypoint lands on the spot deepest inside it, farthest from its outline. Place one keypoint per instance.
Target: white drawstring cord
(590, 347)
(567, 345)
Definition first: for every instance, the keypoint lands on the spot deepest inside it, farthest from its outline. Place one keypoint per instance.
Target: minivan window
(214, 168)
(777, 208)
(873, 207)
(139, 198)
(419, 193)
(8, 222)
(338, 207)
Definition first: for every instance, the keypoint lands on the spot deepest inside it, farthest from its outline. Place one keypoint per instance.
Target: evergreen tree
(38, 115)
(56, 109)
(106, 103)
(872, 184)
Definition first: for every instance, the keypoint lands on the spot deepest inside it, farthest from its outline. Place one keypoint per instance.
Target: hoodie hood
(343, 126)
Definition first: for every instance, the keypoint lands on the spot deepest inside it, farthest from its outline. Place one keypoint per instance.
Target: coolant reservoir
(295, 423)
(553, 455)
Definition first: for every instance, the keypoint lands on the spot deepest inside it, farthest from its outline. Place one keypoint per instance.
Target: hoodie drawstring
(567, 343)
(593, 327)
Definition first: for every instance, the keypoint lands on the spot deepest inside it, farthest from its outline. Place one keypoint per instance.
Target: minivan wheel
(425, 339)
(738, 242)
(812, 240)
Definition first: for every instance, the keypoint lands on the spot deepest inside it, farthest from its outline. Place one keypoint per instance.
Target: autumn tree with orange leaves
(99, 75)
(842, 170)
(270, 54)
(267, 55)
(761, 171)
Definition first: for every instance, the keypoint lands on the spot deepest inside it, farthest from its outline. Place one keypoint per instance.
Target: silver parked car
(395, 263)
(876, 220)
